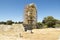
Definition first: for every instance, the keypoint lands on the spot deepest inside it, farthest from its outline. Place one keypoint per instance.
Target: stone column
(30, 16)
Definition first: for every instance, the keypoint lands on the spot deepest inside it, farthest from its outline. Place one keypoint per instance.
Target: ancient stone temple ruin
(30, 16)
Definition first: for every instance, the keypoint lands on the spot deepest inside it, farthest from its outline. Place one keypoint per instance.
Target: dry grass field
(43, 34)
(38, 34)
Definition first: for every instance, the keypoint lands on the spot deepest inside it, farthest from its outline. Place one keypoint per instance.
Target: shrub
(9, 22)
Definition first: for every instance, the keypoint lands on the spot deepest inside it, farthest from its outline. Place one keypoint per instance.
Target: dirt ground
(38, 34)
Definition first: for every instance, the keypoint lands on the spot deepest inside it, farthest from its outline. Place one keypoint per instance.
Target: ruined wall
(30, 15)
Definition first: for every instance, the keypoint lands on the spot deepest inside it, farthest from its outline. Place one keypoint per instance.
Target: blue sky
(14, 9)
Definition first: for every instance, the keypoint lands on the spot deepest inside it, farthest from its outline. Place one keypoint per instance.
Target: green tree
(9, 22)
(2, 22)
(49, 21)
(39, 25)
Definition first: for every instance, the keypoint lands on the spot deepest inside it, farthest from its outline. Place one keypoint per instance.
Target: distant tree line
(49, 22)
(10, 22)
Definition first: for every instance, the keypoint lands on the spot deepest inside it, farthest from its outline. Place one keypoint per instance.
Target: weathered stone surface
(30, 15)
(14, 27)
